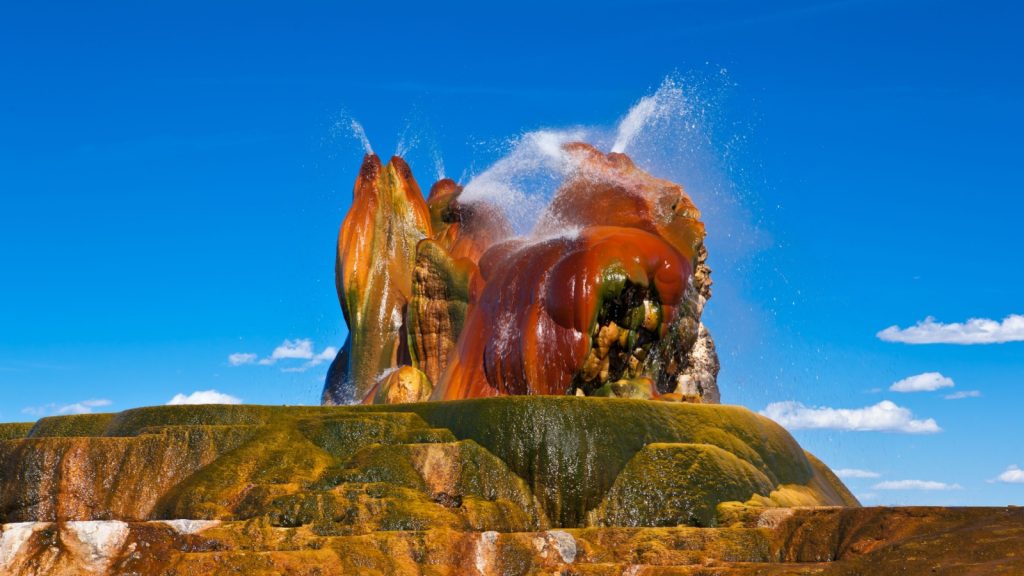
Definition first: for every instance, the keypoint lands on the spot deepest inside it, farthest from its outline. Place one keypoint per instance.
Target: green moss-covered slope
(649, 492)
(15, 430)
(571, 450)
(504, 464)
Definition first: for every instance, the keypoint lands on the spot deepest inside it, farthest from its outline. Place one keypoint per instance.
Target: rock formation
(602, 298)
(484, 464)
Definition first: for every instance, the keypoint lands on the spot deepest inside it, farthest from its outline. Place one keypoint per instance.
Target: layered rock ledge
(782, 541)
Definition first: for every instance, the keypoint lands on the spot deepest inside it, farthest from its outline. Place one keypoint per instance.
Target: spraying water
(438, 165)
(360, 134)
(663, 133)
(670, 133)
(522, 182)
(668, 103)
(406, 142)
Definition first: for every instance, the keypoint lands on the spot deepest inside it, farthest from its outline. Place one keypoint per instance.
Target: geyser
(446, 299)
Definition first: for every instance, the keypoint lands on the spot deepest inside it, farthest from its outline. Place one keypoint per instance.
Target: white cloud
(240, 358)
(974, 331)
(927, 382)
(855, 473)
(1012, 475)
(301, 349)
(882, 417)
(204, 397)
(298, 349)
(327, 355)
(916, 485)
(963, 394)
(82, 407)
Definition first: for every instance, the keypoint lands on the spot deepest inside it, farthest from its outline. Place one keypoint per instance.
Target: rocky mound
(502, 464)
(510, 485)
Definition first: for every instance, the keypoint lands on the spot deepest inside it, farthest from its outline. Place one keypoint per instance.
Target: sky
(173, 177)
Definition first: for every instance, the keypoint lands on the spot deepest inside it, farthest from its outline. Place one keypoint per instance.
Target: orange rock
(375, 261)
(402, 386)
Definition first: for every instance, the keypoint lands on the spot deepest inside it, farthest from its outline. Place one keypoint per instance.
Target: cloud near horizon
(298, 349)
(241, 358)
(915, 485)
(82, 407)
(963, 394)
(927, 382)
(1012, 475)
(203, 397)
(974, 331)
(885, 416)
(856, 473)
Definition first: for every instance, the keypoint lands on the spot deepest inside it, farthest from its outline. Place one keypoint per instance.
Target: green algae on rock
(15, 430)
(648, 492)
(571, 450)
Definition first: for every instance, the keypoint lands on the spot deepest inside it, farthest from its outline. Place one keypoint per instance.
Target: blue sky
(173, 179)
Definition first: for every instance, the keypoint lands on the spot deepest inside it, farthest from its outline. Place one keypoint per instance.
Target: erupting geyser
(603, 297)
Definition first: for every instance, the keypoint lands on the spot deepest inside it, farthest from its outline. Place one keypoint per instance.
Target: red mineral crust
(529, 332)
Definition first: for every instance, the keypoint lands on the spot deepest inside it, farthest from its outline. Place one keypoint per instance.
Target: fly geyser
(598, 302)
(603, 297)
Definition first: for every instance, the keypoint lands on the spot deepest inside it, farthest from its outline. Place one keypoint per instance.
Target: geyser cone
(603, 298)
(374, 269)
